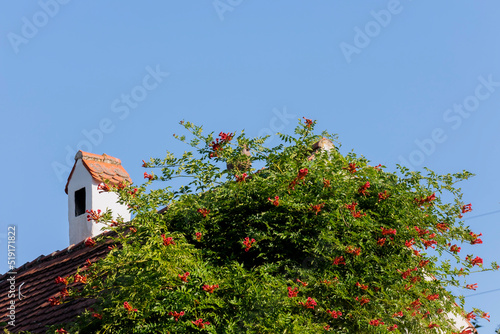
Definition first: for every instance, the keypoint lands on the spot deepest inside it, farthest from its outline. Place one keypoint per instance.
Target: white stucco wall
(107, 200)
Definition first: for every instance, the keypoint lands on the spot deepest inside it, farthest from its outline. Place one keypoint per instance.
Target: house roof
(36, 282)
(101, 167)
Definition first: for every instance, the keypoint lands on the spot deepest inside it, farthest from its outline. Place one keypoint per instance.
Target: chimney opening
(80, 202)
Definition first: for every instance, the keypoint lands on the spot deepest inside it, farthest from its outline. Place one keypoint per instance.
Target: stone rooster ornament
(323, 144)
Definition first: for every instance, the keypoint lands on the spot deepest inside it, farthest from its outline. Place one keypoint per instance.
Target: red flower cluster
(128, 307)
(89, 242)
(54, 301)
(80, 279)
(338, 260)
(204, 212)
(317, 207)
(429, 243)
(198, 236)
(471, 286)
(300, 176)
(167, 241)
(351, 168)
(410, 243)
(62, 330)
(104, 187)
(93, 215)
(274, 201)
(386, 231)
(392, 328)
(61, 280)
(363, 300)
(432, 297)
(351, 207)
(432, 325)
(242, 177)
(362, 190)
(476, 238)
(470, 315)
(381, 241)
(455, 249)
(200, 324)
(248, 243)
(442, 227)
(148, 176)
(415, 304)
(217, 144)
(407, 272)
(326, 183)
(176, 314)
(383, 196)
(210, 288)
(292, 292)
(398, 314)
(423, 263)
(121, 185)
(64, 292)
(97, 315)
(376, 322)
(354, 213)
(184, 277)
(308, 122)
(226, 137)
(476, 261)
(362, 286)
(354, 251)
(485, 316)
(420, 231)
(426, 200)
(334, 314)
(467, 208)
(310, 303)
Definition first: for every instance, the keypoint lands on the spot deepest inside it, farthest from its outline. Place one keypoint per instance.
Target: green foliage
(328, 248)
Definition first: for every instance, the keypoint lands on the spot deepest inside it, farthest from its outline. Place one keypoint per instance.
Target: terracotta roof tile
(101, 167)
(36, 278)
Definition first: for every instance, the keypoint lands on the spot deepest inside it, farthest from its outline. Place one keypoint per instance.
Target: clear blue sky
(412, 82)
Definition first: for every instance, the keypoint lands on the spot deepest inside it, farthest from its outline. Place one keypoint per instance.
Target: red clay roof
(101, 167)
(36, 279)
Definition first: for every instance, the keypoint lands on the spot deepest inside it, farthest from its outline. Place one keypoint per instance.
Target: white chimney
(88, 172)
